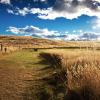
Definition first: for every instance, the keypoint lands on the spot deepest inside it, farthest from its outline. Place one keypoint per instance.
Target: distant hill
(29, 41)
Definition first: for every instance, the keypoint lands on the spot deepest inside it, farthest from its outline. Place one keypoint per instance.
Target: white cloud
(43, 0)
(80, 31)
(71, 37)
(69, 9)
(96, 24)
(10, 11)
(45, 33)
(52, 14)
(74, 31)
(13, 30)
(5, 1)
(25, 11)
(83, 36)
(31, 31)
(77, 31)
(97, 0)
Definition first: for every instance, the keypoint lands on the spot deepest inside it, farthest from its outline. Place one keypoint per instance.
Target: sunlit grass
(82, 68)
(25, 58)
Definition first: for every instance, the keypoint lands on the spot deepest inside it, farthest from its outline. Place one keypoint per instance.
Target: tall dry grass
(82, 71)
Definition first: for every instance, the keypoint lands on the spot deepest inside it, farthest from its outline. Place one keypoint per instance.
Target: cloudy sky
(54, 19)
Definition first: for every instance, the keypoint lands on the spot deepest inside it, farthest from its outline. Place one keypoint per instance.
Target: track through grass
(21, 76)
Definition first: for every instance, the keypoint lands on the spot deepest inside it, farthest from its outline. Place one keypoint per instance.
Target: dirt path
(19, 83)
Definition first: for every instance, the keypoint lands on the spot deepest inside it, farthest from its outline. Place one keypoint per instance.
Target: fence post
(5, 50)
(1, 48)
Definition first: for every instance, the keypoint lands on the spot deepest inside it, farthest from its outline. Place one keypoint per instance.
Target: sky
(52, 19)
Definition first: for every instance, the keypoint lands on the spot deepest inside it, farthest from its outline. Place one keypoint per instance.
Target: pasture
(77, 73)
(67, 71)
(20, 75)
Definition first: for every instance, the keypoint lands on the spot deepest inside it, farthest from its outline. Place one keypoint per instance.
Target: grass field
(53, 74)
(78, 71)
(20, 75)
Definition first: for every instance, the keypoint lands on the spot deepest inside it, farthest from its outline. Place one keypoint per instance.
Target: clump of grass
(83, 77)
(82, 71)
(52, 59)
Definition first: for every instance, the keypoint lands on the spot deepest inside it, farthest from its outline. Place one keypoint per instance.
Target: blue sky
(54, 19)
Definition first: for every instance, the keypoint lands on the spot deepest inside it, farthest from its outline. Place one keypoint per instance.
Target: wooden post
(5, 50)
(1, 48)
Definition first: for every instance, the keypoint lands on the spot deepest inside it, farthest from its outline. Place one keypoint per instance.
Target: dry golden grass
(82, 71)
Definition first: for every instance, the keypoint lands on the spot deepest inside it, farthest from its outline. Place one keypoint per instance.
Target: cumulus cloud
(25, 11)
(89, 36)
(83, 36)
(10, 11)
(45, 33)
(32, 31)
(96, 24)
(5, 1)
(69, 9)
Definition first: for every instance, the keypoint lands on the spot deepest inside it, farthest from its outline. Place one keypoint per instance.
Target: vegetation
(82, 72)
(40, 69)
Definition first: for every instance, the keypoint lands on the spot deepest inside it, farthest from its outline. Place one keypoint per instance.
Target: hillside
(29, 41)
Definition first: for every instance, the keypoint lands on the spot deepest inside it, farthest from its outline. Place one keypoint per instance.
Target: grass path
(20, 76)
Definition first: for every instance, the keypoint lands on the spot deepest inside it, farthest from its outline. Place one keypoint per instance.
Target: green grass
(25, 58)
(50, 83)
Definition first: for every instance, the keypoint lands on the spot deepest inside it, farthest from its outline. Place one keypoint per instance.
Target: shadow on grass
(50, 86)
(53, 85)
